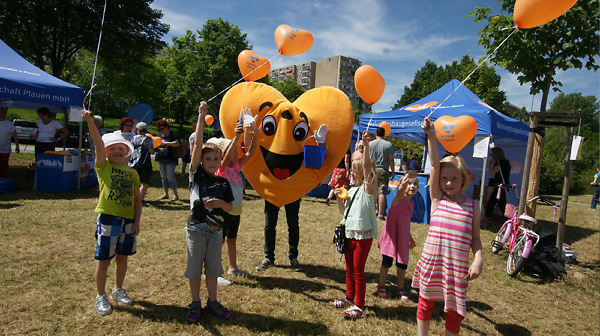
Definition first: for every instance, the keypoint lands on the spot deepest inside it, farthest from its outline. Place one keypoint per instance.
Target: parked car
(25, 128)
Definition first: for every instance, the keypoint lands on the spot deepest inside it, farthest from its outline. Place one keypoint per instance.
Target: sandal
(163, 197)
(403, 295)
(175, 198)
(381, 291)
(341, 303)
(354, 312)
(217, 309)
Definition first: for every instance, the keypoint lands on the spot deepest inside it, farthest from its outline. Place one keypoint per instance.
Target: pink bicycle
(521, 239)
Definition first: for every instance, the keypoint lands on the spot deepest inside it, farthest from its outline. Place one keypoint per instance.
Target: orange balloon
(292, 41)
(533, 13)
(149, 135)
(369, 84)
(252, 66)
(156, 141)
(386, 127)
(455, 132)
(209, 120)
(471, 176)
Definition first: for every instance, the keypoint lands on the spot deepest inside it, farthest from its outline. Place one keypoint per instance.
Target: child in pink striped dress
(443, 271)
(395, 238)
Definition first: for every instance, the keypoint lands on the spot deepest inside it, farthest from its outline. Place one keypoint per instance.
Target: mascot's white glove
(321, 134)
(247, 117)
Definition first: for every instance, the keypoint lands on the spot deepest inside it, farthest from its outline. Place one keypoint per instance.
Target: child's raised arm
(367, 163)
(199, 136)
(434, 158)
(401, 191)
(98, 143)
(250, 135)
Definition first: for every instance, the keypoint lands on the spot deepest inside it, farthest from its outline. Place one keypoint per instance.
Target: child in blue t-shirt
(119, 210)
(210, 198)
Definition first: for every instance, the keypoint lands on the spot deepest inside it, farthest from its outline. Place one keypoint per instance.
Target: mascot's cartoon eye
(300, 131)
(269, 126)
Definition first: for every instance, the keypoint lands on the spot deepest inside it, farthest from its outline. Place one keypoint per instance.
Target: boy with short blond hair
(119, 210)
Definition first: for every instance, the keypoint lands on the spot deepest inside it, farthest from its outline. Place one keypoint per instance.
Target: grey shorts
(203, 251)
(383, 180)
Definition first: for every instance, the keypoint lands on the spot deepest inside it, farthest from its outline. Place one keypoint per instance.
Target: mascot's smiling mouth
(282, 166)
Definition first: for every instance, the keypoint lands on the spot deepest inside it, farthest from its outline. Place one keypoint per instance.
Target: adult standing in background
(382, 154)
(7, 129)
(167, 162)
(596, 185)
(498, 166)
(126, 128)
(141, 159)
(45, 136)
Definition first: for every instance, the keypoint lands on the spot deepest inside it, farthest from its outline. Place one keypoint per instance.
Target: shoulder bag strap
(351, 200)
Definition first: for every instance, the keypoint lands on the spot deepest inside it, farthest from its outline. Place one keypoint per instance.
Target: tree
(536, 54)
(289, 88)
(49, 33)
(201, 65)
(554, 150)
(484, 82)
(116, 91)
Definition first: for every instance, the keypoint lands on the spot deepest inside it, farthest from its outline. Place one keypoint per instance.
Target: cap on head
(142, 126)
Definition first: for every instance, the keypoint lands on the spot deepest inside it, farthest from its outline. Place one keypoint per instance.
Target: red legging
(425, 308)
(357, 252)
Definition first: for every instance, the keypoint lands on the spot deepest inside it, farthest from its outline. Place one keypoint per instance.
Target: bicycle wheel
(516, 261)
(497, 242)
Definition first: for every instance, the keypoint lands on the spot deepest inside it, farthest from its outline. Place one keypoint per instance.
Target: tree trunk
(536, 157)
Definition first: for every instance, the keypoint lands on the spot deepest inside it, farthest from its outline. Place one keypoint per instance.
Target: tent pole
(482, 185)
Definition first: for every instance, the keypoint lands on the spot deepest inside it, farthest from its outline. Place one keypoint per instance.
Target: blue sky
(396, 37)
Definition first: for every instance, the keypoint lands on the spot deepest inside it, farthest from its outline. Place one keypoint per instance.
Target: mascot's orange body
(277, 171)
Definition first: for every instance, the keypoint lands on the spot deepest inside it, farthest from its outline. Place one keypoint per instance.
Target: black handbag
(339, 234)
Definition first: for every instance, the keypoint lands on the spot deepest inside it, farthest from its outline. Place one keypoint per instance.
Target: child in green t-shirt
(119, 210)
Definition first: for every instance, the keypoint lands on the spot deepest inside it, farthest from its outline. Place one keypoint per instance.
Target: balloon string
(472, 72)
(372, 115)
(95, 60)
(239, 80)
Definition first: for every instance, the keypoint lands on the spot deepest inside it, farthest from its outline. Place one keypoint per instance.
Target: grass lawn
(47, 275)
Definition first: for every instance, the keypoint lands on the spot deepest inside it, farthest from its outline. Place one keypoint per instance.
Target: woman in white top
(45, 137)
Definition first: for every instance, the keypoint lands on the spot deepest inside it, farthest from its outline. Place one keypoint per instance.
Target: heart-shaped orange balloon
(393, 184)
(277, 171)
(455, 132)
(369, 84)
(252, 66)
(292, 41)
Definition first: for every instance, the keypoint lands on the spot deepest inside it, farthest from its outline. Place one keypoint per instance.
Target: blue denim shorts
(113, 235)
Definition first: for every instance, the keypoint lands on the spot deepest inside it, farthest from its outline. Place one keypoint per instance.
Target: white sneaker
(223, 282)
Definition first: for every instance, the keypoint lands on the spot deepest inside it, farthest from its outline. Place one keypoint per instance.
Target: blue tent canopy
(23, 85)
(405, 122)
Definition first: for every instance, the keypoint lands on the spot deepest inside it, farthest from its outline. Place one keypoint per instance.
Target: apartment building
(336, 71)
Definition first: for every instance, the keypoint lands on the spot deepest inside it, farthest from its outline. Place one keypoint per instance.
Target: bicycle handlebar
(543, 200)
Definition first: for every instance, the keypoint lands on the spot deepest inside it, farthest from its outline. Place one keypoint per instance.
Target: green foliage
(50, 33)
(201, 65)
(117, 91)
(289, 88)
(553, 158)
(484, 82)
(536, 54)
